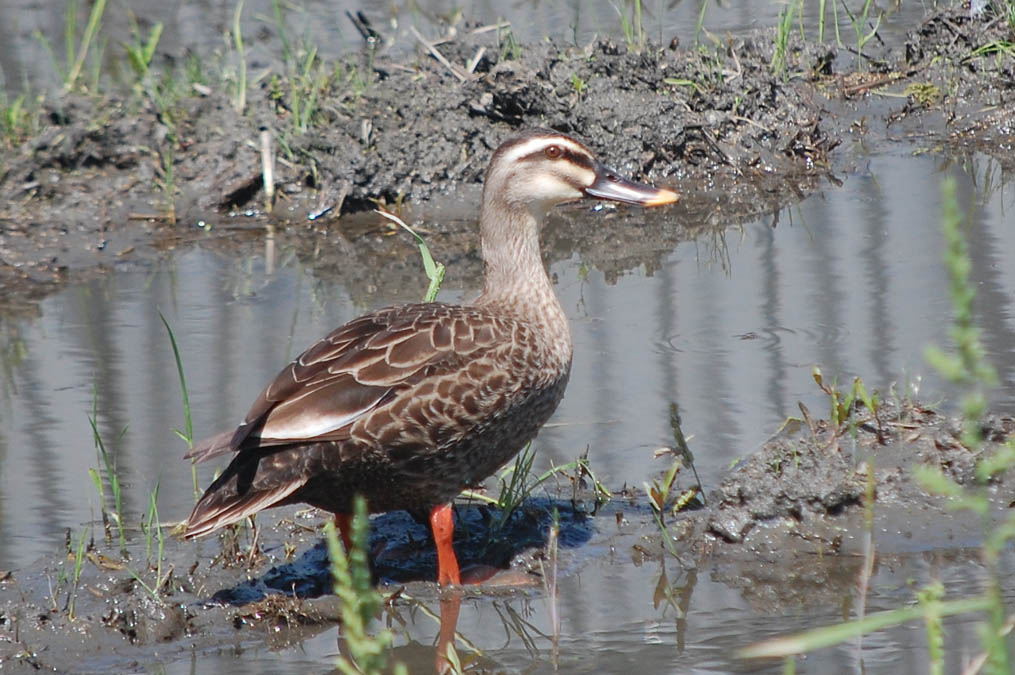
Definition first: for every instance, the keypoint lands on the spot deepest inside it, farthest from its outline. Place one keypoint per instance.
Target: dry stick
(267, 170)
(490, 27)
(474, 61)
(150, 216)
(437, 55)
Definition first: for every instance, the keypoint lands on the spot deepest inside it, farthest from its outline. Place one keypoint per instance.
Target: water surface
(729, 327)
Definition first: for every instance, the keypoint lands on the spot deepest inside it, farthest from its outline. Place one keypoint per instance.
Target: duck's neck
(515, 278)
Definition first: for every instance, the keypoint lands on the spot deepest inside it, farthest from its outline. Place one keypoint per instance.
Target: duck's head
(540, 168)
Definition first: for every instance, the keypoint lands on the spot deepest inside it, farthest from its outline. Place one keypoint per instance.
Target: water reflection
(729, 325)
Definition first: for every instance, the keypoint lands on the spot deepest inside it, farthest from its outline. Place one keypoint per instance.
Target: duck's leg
(442, 522)
(343, 521)
(451, 603)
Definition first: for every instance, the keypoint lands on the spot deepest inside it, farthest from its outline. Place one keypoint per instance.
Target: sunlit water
(850, 280)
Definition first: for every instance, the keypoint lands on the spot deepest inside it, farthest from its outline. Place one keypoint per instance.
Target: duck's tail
(243, 489)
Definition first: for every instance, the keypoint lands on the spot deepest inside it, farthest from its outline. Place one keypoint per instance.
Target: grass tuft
(111, 478)
(91, 30)
(632, 27)
(782, 33)
(19, 120)
(860, 23)
(79, 559)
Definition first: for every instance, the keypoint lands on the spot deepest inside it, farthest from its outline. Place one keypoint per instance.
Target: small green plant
(778, 64)
(19, 119)
(360, 601)
(583, 469)
(967, 367)
(1003, 49)
(306, 77)
(661, 494)
(863, 36)
(152, 529)
(844, 405)
(91, 30)
(140, 52)
(77, 54)
(516, 484)
(923, 93)
(149, 525)
(79, 559)
(633, 28)
(434, 270)
(510, 50)
(187, 435)
(683, 82)
(579, 84)
(111, 478)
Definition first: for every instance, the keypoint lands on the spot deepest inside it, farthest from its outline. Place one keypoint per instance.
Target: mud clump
(808, 488)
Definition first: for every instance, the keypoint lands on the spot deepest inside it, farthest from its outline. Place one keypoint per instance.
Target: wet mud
(737, 138)
(719, 125)
(801, 498)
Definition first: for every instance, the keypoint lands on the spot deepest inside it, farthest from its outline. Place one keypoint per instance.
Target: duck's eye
(553, 152)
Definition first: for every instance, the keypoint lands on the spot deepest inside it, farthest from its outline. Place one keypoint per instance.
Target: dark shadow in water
(402, 550)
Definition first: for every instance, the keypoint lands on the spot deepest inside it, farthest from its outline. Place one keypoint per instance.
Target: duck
(411, 404)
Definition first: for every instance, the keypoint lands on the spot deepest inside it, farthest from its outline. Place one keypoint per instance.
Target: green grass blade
(241, 92)
(434, 270)
(188, 434)
(91, 30)
(828, 636)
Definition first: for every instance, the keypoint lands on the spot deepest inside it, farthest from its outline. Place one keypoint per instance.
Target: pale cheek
(549, 189)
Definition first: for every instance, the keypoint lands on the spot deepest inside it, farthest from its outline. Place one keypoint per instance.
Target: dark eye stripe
(567, 153)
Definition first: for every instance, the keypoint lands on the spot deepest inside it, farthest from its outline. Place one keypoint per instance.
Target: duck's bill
(611, 185)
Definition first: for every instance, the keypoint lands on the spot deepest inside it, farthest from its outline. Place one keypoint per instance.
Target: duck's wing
(355, 370)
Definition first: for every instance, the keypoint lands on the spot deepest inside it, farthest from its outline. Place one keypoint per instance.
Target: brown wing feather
(355, 370)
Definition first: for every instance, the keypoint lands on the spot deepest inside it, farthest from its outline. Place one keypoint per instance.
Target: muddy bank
(113, 178)
(805, 491)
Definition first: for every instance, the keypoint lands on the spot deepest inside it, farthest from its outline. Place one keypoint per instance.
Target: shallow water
(729, 327)
(615, 617)
(203, 27)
